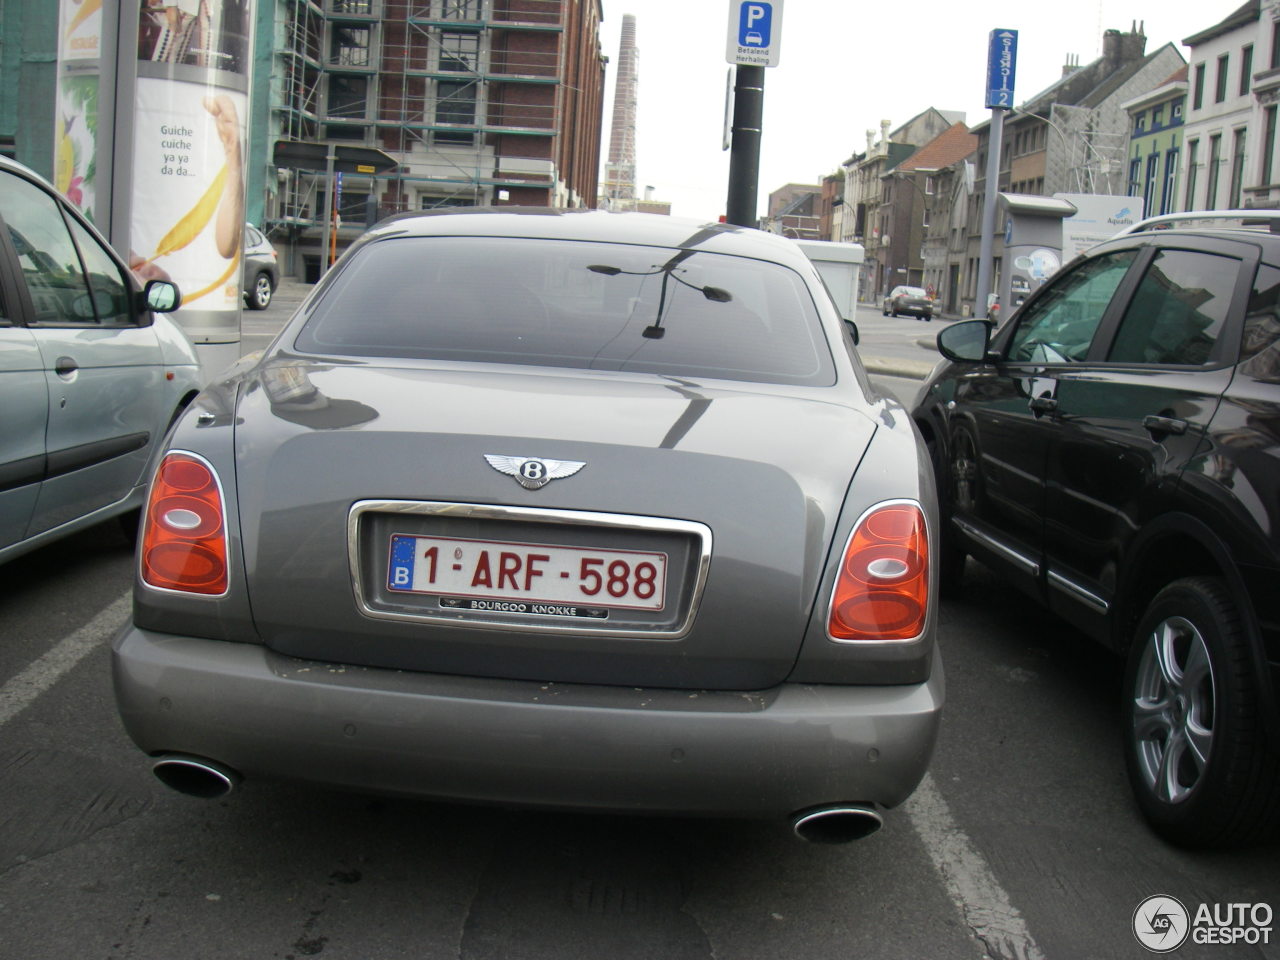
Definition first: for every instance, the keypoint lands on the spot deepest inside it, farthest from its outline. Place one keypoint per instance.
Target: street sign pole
(744, 157)
(1002, 59)
(754, 41)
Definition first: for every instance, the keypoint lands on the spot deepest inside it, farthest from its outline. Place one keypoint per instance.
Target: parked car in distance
(581, 509)
(914, 301)
(91, 373)
(1114, 450)
(261, 269)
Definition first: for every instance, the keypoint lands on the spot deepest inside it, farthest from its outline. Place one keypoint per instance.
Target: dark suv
(1114, 450)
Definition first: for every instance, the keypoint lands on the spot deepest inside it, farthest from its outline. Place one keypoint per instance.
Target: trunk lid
(333, 461)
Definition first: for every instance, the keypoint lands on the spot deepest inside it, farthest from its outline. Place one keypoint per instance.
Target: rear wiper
(655, 331)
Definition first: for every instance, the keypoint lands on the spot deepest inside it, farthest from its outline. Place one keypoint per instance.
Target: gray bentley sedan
(580, 510)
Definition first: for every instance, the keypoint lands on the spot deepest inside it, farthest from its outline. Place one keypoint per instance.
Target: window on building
(349, 46)
(1211, 179)
(1246, 68)
(1268, 145)
(1237, 168)
(435, 203)
(1197, 90)
(1170, 181)
(1157, 116)
(1220, 84)
(1139, 123)
(1151, 185)
(1135, 171)
(348, 97)
(459, 52)
(460, 9)
(1275, 45)
(1176, 112)
(929, 187)
(455, 103)
(1193, 170)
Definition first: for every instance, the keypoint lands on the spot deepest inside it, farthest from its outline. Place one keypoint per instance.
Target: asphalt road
(1022, 842)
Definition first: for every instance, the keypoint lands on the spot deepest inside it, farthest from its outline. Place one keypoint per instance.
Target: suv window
(1260, 345)
(1059, 326)
(1178, 311)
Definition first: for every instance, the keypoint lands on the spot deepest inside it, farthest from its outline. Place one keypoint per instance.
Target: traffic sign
(755, 32)
(1002, 63)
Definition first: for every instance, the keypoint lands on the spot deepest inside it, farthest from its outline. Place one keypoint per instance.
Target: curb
(893, 367)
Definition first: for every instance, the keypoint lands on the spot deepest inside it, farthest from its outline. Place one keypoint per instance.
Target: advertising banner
(76, 123)
(191, 103)
(1098, 217)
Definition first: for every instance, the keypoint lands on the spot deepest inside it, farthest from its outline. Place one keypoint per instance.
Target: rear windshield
(557, 303)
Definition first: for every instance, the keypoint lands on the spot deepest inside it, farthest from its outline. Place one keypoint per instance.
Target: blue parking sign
(755, 24)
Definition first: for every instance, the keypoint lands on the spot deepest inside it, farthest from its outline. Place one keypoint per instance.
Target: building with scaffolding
(476, 101)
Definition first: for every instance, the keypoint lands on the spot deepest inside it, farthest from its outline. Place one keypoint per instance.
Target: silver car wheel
(260, 298)
(1173, 709)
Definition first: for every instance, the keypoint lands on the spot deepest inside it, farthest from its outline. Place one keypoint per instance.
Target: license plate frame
(544, 578)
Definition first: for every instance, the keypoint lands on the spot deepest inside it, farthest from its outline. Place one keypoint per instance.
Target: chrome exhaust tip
(195, 776)
(837, 823)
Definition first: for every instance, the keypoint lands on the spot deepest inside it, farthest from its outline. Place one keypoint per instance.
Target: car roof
(592, 225)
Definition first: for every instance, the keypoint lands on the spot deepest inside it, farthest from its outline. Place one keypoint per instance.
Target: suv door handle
(1043, 404)
(1164, 426)
(65, 366)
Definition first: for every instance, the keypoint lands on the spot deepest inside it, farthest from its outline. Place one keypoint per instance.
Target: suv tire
(1197, 756)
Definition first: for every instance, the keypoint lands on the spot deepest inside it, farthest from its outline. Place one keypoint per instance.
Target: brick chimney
(1121, 48)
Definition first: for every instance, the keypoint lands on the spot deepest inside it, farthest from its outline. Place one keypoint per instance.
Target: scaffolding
(464, 94)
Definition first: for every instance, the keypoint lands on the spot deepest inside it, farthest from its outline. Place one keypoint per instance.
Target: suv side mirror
(965, 342)
(853, 330)
(161, 296)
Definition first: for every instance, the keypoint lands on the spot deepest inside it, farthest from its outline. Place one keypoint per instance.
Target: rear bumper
(763, 753)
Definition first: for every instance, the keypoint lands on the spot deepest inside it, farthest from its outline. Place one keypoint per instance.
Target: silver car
(261, 269)
(91, 374)
(577, 510)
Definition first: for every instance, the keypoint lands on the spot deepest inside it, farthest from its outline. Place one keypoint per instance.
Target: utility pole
(755, 37)
(1002, 59)
(744, 157)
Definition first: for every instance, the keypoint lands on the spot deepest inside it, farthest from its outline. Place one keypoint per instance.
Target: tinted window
(46, 254)
(1178, 311)
(1059, 326)
(569, 304)
(1260, 346)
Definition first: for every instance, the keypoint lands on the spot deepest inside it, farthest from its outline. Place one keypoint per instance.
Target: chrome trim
(226, 536)
(1088, 597)
(1018, 559)
(931, 542)
(486, 511)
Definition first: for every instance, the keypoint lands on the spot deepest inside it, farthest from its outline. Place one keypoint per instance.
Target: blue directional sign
(1002, 63)
(755, 24)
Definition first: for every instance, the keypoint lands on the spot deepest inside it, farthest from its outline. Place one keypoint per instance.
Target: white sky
(845, 65)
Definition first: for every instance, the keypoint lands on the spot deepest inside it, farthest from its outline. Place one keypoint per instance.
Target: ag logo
(533, 472)
(1161, 923)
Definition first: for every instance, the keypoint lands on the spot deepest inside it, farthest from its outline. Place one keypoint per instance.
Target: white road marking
(982, 902)
(43, 673)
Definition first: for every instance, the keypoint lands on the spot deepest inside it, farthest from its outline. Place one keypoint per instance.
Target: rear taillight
(184, 543)
(882, 589)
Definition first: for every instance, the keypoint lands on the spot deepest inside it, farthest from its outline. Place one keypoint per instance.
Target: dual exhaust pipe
(210, 780)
